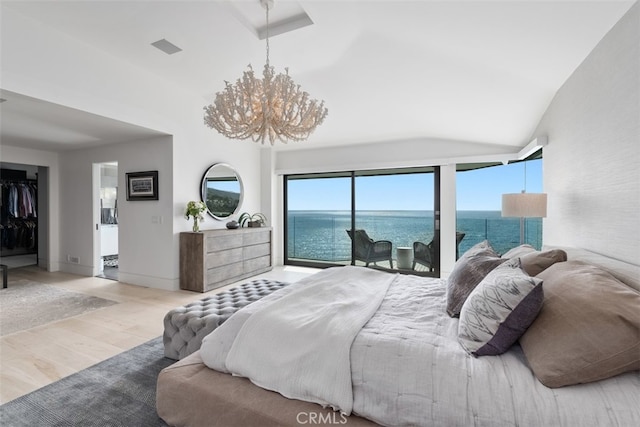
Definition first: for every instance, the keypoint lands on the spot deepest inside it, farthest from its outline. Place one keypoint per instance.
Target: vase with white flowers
(195, 209)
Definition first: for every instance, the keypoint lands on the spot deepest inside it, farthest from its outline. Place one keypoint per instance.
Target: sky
(479, 189)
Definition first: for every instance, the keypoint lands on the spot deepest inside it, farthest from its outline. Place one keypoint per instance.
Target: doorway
(24, 215)
(106, 175)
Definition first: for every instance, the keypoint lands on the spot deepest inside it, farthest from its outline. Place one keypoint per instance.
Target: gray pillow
(588, 327)
(536, 262)
(482, 248)
(468, 271)
(519, 251)
(499, 310)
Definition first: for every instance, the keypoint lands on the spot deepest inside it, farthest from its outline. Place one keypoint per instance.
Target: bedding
(468, 271)
(535, 262)
(407, 368)
(499, 310)
(307, 333)
(519, 251)
(588, 329)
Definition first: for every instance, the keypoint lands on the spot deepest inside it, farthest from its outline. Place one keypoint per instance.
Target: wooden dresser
(213, 258)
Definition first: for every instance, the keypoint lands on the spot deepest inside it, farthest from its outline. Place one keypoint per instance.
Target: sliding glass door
(373, 218)
(396, 208)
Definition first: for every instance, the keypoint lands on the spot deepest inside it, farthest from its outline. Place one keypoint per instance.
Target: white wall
(392, 154)
(44, 63)
(145, 245)
(592, 162)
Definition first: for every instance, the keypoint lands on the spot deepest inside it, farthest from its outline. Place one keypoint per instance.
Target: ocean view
(321, 235)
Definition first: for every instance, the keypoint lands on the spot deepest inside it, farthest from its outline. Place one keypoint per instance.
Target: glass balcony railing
(502, 233)
(319, 236)
(322, 235)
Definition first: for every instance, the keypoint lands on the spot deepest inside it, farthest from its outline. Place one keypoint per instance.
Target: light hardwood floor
(36, 357)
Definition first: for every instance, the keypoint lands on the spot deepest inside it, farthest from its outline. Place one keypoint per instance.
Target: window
(479, 199)
(318, 213)
(395, 206)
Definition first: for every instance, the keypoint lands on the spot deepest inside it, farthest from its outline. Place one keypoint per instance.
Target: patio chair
(368, 250)
(424, 254)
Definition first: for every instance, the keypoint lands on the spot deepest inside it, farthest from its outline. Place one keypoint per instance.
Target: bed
(411, 363)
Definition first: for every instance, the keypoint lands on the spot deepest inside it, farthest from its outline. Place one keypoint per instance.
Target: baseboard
(81, 270)
(149, 281)
(132, 279)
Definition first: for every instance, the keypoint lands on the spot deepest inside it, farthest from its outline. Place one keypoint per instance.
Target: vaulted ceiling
(476, 71)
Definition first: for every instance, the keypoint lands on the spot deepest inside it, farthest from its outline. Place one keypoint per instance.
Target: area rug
(121, 391)
(110, 260)
(26, 304)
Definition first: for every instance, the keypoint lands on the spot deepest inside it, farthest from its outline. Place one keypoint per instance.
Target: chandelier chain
(267, 6)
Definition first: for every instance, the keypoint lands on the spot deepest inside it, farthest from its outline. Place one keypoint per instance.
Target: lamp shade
(524, 205)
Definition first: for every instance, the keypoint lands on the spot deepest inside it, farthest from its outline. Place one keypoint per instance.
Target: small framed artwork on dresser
(142, 185)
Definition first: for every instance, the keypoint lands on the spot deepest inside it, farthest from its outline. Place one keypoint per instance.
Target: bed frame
(191, 394)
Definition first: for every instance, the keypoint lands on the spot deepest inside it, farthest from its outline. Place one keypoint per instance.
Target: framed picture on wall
(142, 185)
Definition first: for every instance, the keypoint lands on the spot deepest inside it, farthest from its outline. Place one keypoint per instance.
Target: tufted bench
(185, 327)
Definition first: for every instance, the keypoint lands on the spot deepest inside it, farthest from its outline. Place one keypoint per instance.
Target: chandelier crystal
(270, 108)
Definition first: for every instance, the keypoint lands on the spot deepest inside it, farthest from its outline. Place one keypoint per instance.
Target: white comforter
(408, 369)
(306, 332)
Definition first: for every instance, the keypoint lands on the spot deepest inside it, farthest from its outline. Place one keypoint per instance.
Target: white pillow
(499, 310)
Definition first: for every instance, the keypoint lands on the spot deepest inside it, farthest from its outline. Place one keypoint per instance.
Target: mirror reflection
(221, 190)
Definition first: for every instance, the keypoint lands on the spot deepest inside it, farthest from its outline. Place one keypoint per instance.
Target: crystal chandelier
(270, 108)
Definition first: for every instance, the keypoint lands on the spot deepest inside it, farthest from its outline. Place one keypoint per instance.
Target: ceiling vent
(166, 46)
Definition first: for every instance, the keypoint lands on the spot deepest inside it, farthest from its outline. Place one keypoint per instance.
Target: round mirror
(221, 190)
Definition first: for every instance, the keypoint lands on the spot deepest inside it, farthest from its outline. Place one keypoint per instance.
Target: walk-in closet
(18, 215)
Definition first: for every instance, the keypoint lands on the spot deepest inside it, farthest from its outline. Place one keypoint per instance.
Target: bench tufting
(186, 326)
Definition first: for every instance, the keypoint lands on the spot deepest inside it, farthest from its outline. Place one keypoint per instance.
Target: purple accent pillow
(468, 271)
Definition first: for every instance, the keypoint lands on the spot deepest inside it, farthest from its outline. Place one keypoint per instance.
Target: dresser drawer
(257, 237)
(222, 242)
(222, 258)
(256, 251)
(257, 263)
(221, 274)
